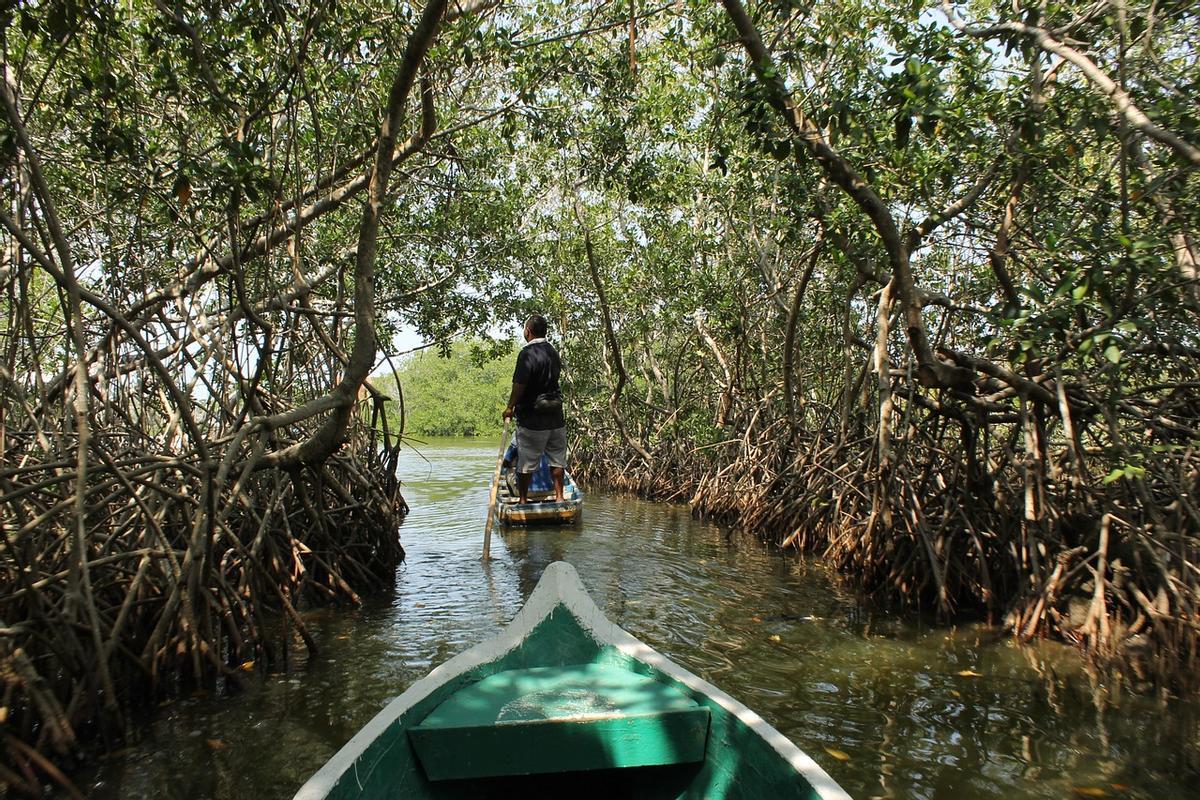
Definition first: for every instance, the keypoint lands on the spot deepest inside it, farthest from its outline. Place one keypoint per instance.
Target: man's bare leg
(523, 481)
(557, 474)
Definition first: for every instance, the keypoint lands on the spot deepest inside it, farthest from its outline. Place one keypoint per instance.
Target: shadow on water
(890, 707)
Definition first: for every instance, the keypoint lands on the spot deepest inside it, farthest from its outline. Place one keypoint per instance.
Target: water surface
(889, 707)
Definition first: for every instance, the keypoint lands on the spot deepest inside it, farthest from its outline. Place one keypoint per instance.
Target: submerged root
(1110, 566)
(187, 589)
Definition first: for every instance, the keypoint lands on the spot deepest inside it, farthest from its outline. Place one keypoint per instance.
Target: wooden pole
(491, 517)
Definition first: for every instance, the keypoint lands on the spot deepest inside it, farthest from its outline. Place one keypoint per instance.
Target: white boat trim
(560, 584)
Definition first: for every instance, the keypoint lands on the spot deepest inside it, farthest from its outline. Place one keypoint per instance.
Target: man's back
(538, 368)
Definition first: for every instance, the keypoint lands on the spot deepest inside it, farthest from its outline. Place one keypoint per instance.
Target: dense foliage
(459, 393)
(916, 293)
(912, 285)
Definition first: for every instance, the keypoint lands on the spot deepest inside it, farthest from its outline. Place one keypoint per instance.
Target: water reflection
(891, 708)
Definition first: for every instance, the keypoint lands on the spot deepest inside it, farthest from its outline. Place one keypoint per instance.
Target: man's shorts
(531, 444)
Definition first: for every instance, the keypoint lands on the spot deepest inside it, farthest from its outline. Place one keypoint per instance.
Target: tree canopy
(913, 285)
(460, 393)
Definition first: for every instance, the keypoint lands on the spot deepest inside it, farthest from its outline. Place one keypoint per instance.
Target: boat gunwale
(560, 585)
(512, 513)
(519, 515)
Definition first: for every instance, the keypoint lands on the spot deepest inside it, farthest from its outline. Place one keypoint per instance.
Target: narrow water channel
(889, 707)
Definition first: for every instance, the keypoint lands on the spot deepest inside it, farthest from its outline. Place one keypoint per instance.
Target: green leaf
(29, 23)
(1112, 353)
(903, 126)
(59, 19)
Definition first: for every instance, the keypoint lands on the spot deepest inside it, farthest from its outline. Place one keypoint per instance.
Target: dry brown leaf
(840, 755)
(183, 190)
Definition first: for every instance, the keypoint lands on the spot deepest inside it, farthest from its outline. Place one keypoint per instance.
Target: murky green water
(890, 708)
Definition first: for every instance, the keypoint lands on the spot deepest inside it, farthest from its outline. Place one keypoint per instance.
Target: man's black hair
(537, 326)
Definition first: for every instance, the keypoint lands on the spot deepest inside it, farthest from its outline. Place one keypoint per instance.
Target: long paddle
(487, 530)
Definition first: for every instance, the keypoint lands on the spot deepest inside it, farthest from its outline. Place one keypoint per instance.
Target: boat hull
(542, 511)
(567, 512)
(560, 627)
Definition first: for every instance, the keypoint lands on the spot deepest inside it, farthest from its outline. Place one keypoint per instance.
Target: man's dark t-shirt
(538, 367)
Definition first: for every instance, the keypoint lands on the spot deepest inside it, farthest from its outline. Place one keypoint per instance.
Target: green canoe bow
(564, 703)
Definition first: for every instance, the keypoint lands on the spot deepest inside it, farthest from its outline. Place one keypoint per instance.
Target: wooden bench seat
(560, 719)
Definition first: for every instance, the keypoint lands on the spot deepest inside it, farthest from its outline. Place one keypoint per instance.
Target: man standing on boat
(536, 401)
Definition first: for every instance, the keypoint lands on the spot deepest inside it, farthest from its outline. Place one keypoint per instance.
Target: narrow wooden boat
(541, 509)
(563, 703)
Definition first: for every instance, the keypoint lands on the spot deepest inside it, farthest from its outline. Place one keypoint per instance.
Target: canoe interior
(581, 717)
(738, 764)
